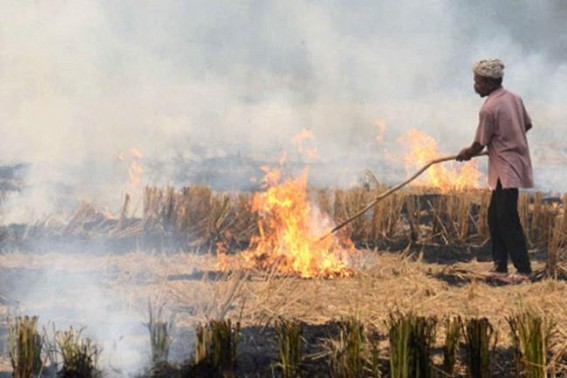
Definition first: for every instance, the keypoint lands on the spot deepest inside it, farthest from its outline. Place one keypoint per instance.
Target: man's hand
(465, 154)
(469, 152)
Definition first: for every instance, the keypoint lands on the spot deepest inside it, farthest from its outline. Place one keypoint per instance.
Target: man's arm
(469, 152)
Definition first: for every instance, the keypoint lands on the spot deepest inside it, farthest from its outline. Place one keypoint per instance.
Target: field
(417, 252)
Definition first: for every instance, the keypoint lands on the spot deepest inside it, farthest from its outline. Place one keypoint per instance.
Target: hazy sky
(84, 82)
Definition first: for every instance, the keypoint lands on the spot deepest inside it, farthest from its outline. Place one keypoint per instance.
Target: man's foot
(517, 278)
(496, 275)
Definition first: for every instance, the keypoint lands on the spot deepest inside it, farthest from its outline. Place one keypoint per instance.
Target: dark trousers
(506, 231)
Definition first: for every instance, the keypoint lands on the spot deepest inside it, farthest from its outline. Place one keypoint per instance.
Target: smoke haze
(82, 83)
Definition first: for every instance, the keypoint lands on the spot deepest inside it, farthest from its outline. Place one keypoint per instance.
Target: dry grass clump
(353, 354)
(290, 346)
(532, 335)
(78, 355)
(480, 342)
(216, 345)
(411, 339)
(65, 353)
(453, 334)
(557, 247)
(196, 216)
(25, 347)
(160, 330)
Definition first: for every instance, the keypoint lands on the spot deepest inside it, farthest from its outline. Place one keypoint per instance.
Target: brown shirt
(502, 128)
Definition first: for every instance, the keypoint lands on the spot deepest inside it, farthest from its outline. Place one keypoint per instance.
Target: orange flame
(446, 177)
(288, 226)
(381, 126)
(300, 140)
(133, 158)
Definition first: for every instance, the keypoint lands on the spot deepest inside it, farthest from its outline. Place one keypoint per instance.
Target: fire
(448, 176)
(289, 233)
(301, 140)
(135, 169)
(133, 158)
(381, 126)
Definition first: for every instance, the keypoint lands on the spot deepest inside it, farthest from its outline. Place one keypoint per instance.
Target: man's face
(482, 86)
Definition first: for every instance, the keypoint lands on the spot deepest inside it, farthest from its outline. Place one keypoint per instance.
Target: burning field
(212, 283)
(242, 189)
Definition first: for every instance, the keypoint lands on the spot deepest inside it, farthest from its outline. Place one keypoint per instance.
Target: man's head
(488, 75)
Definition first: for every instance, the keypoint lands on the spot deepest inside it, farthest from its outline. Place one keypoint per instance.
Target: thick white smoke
(83, 82)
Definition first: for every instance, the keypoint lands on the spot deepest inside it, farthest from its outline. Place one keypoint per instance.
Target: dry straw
(216, 346)
(79, 355)
(411, 339)
(532, 336)
(290, 347)
(353, 353)
(453, 334)
(25, 347)
(199, 218)
(480, 343)
(160, 331)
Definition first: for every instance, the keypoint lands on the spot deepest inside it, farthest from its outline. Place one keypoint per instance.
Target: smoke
(73, 291)
(183, 82)
(106, 298)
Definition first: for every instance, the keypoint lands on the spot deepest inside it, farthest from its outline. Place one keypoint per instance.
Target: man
(503, 123)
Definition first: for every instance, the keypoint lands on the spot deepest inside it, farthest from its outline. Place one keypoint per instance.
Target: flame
(133, 158)
(301, 136)
(446, 177)
(135, 169)
(301, 140)
(289, 233)
(381, 126)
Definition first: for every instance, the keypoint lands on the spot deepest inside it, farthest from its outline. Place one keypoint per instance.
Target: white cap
(492, 68)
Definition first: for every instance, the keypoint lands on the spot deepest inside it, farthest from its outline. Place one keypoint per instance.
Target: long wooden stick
(390, 191)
